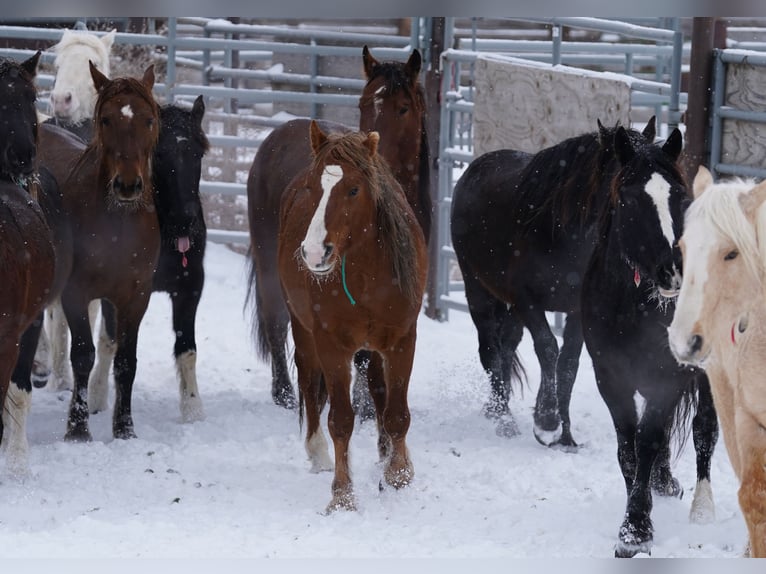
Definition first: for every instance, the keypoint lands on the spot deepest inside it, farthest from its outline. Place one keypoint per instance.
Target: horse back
(58, 150)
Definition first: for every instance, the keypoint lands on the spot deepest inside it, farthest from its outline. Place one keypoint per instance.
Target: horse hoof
(548, 437)
(630, 550)
(341, 502)
(285, 399)
(78, 435)
(399, 478)
(124, 433)
(672, 488)
(495, 409)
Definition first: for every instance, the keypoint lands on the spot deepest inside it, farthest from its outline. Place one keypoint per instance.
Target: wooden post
(707, 34)
(433, 125)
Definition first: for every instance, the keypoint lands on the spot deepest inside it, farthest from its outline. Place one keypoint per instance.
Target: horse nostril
(68, 98)
(139, 184)
(328, 248)
(695, 343)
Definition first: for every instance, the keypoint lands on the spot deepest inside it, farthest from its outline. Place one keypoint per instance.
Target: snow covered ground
(238, 484)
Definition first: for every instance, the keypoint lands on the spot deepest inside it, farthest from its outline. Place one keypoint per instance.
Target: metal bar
(719, 88)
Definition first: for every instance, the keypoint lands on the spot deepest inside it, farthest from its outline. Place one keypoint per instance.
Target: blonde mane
(720, 206)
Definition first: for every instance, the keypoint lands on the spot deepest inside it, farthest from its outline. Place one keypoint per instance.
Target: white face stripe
(127, 111)
(313, 244)
(378, 100)
(659, 190)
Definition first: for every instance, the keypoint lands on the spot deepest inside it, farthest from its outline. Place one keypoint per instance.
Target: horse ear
(650, 131)
(108, 39)
(702, 181)
(623, 145)
(198, 109)
(751, 201)
(148, 78)
(674, 144)
(30, 65)
(318, 137)
(412, 67)
(603, 134)
(373, 138)
(99, 79)
(370, 63)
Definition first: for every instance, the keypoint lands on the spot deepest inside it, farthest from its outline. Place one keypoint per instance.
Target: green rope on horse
(343, 278)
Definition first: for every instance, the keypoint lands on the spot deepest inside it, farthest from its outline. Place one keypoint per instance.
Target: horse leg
(185, 303)
(98, 384)
(636, 531)
(377, 382)
(18, 401)
(273, 319)
(82, 356)
(752, 488)
(43, 361)
(311, 386)
(548, 428)
(399, 471)
(340, 421)
(705, 435)
(488, 315)
(128, 321)
(58, 334)
(566, 373)
(362, 402)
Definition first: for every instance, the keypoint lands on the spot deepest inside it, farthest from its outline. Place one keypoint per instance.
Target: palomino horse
(523, 228)
(392, 103)
(73, 96)
(352, 262)
(27, 257)
(628, 293)
(109, 201)
(719, 325)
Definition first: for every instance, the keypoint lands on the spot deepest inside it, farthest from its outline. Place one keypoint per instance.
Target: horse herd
(664, 289)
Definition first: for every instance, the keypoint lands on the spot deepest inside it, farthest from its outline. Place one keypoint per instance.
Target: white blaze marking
(180, 139)
(127, 112)
(698, 245)
(313, 245)
(659, 190)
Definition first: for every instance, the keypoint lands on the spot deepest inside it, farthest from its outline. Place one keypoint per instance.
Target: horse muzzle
(688, 350)
(319, 261)
(127, 192)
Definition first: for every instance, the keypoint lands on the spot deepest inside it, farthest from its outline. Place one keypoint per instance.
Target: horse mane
(74, 38)
(551, 185)
(720, 206)
(173, 115)
(393, 212)
(395, 78)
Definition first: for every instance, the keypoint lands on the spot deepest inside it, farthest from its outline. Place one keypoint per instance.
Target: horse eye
(403, 110)
(731, 255)
(353, 192)
(104, 121)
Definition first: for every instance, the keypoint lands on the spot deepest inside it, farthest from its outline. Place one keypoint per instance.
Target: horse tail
(253, 299)
(684, 412)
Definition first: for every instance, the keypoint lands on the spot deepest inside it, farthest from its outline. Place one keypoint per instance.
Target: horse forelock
(179, 121)
(83, 45)
(393, 213)
(121, 86)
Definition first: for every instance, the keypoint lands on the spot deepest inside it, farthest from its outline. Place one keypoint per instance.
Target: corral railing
(738, 109)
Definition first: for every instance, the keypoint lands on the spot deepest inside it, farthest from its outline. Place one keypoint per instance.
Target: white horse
(72, 102)
(73, 97)
(720, 325)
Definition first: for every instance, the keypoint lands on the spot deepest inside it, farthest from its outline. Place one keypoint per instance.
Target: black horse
(177, 168)
(523, 230)
(628, 297)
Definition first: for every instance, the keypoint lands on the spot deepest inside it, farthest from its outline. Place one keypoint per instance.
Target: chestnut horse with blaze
(352, 264)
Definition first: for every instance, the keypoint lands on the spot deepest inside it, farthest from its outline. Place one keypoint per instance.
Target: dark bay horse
(352, 263)
(176, 171)
(109, 201)
(523, 229)
(628, 301)
(27, 257)
(392, 103)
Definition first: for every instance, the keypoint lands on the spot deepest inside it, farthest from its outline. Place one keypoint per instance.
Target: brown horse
(27, 258)
(352, 263)
(108, 198)
(720, 325)
(392, 103)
